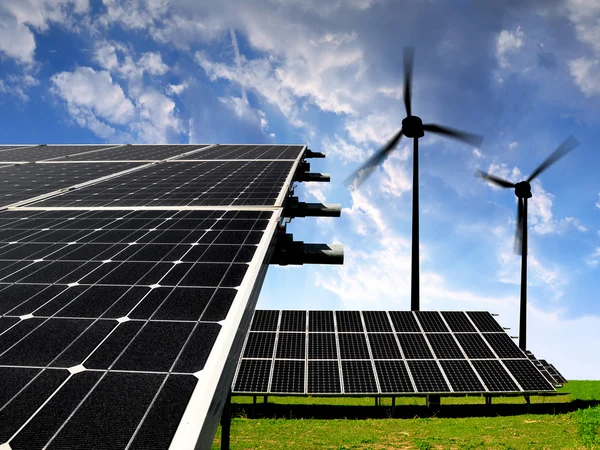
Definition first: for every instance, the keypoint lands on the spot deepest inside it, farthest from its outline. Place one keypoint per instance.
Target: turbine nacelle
(412, 127)
(523, 190)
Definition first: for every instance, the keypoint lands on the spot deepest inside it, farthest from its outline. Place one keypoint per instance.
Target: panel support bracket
(287, 251)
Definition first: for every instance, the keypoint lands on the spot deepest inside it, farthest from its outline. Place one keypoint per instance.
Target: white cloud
(338, 148)
(152, 63)
(316, 191)
(19, 18)
(513, 145)
(242, 109)
(397, 178)
(476, 153)
(158, 117)
(585, 14)
(586, 74)
(88, 90)
(176, 89)
(506, 43)
(18, 85)
(374, 128)
(594, 258)
(598, 202)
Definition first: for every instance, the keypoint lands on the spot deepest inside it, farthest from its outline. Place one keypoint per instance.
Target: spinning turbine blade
(363, 172)
(473, 139)
(569, 144)
(494, 179)
(409, 57)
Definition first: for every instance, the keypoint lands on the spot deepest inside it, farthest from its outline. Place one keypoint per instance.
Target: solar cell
(358, 377)
(404, 322)
(227, 183)
(431, 321)
(556, 374)
(136, 153)
(260, 345)
(293, 321)
(384, 346)
(322, 346)
(503, 345)
(485, 321)
(461, 376)
(41, 153)
(348, 321)
(291, 346)
(353, 346)
(323, 377)
(28, 181)
(393, 377)
(495, 376)
(253, 375)
(248, 152)
(427, 376)
(458, 321)
(414, 346)
(473, 345)
(444, 346)
(377, 321)
(527, 375)
(265, 320)
(321, 321)
(288, 377)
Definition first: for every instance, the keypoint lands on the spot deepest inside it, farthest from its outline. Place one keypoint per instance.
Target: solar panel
(288, 377)
(45, 152)
(265, 320)
(137, 153)
(322, 346)
(495, 376)
(414, 346)
(444, 346)
(358, 377)
(384, 346)
(404, 322)
(260, 345)
(248, 152)
(377, 321)
(427, 376)
(527, 375)
(291, 346)
(323, 377)
(458, 321)
(28, 181)
(485, 322)
(349, 321)
(293, 321)
(474, 345)
(503, 345)
(122, 327)
(321, 321)
(353, 346)
(461, 376)
(204, 183)
(431, 321)
(393, 376)
(555, 373)
(398, 363)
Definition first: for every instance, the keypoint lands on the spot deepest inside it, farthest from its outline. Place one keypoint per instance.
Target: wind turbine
(523, 192)
(412, 127)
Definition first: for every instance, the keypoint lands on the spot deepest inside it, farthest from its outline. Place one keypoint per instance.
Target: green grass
(579, 429)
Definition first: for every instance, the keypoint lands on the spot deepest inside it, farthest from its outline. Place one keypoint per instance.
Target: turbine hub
(523, 190)
(412, 127)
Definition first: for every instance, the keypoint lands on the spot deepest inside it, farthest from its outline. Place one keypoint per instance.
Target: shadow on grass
(271, 410)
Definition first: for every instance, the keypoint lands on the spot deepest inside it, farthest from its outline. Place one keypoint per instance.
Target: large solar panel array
(121, 325)
(382, 353)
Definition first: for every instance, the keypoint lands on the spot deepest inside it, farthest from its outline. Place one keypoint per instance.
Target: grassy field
(570, 421)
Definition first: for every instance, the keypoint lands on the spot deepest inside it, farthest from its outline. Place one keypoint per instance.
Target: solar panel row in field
(381, 352)
(120, 324)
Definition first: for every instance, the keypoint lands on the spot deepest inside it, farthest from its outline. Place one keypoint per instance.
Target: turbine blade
(494, 179)
(363, 172)
(519, 230)
(473, 139)
(569, 144)
(409, 58)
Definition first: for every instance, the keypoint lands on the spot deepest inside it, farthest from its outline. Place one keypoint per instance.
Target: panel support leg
(393, 406)
(488, 400)
(254, 406)
(265, 399)
(433, 401)
(528, 400)
(226, 423)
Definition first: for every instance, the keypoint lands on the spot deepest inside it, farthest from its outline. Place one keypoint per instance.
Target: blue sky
(328, 73)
